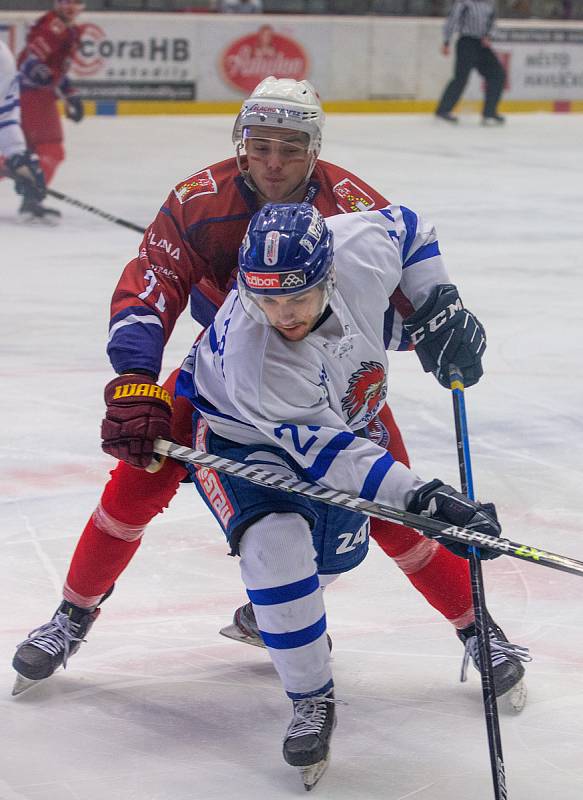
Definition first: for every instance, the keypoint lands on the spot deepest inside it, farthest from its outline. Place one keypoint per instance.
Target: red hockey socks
(441, 577)
(50, 156)
(131, 498)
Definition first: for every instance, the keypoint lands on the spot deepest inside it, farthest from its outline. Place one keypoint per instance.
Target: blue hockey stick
(478, 594)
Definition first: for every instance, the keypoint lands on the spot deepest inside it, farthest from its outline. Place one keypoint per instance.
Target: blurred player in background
(43, 64)
(16, 160)
(474, 20)
(189, 255)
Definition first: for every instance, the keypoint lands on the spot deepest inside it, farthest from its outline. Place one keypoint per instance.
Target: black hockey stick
(478, 592)
(86, 207)
(97, 211)
(426, 525)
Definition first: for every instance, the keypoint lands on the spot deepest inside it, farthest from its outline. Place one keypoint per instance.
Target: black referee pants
(471, 54)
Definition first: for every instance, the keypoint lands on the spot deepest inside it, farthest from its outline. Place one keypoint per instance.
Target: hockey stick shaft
(65, 198)
(97, 211)
(478, 593)
(346, 500)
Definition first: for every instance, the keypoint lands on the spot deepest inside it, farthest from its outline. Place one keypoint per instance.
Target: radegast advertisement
(135, 59)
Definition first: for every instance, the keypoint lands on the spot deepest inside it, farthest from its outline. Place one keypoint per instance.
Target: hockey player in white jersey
(21, 165)
(291, 375)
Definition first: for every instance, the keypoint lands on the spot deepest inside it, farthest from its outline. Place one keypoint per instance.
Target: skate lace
(309, 716)
(500, 651)
(55, 636)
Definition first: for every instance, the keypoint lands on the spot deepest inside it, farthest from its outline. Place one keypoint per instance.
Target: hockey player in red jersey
(16, 160)
(43, 65)
(189, 255)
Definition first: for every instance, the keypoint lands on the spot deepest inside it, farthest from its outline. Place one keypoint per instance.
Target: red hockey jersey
(189, 253)
(52, 43)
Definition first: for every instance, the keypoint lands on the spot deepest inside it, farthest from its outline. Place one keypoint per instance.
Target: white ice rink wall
(130, 62)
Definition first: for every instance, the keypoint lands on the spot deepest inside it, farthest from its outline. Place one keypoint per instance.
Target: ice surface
(157, 706)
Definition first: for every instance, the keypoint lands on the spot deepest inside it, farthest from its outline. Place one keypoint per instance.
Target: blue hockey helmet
(287, 250)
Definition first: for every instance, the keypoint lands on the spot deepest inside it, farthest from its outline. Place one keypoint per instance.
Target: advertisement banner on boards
(250, 58)
(540, 62)
(543, 62)
(128, 58)
(237, 54)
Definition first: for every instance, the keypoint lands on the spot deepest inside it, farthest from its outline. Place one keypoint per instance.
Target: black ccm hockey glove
(439, 501)
(445, 333)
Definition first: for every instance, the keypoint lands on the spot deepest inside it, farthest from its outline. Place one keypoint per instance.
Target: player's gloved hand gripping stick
(444, 333)
(138, 412)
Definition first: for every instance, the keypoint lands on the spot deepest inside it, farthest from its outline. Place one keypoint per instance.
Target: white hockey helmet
(282, 103)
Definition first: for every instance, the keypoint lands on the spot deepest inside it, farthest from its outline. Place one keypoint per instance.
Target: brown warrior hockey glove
(138, 412)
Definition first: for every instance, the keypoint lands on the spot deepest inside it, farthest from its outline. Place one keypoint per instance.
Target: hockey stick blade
(346, 500)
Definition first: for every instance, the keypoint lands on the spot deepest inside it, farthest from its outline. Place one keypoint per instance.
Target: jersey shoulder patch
(57, 26)
(198, 184)
(351, 197)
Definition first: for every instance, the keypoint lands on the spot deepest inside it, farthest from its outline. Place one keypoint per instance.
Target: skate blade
(29, 220)
(22, 684)
(235, 633)
(312, 774)
(514, 699)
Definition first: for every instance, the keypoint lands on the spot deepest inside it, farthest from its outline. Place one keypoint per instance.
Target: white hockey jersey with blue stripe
(309, 397)
(11, 135)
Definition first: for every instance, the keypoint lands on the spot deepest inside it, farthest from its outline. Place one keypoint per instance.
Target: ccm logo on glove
(436, 322)
(446, 334)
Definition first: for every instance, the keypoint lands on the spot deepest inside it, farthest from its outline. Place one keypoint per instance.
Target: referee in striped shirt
(474, 20)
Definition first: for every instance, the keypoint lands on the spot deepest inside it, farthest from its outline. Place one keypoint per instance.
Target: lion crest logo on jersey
(350, 197)
(195, 185)
(367, 388)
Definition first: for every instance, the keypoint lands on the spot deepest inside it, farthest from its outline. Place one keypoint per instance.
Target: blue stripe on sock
(301, 696)
(375, 476)
(288, 641)
(284, 594)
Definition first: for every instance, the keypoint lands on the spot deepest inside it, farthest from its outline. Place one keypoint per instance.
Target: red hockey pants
(42, 128)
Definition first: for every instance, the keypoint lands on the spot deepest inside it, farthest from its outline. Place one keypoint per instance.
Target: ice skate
(493, 120)
(307, 740)
(244, 628)
(446, 116)
(50, 646)
(34, 213)
(507, 664)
